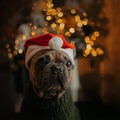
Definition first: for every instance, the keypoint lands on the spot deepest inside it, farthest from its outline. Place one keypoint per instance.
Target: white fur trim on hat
(33, 49)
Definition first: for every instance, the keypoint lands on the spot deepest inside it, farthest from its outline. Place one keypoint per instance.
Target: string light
(57, 21)
(72, 30)
(20, 51)
(73, 11)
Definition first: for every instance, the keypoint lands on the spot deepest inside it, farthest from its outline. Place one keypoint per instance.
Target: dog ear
(29, 63)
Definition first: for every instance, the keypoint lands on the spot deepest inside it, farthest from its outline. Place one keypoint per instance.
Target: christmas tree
(67, 18)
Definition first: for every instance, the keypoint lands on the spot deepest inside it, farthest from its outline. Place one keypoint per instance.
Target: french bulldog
(48, 94)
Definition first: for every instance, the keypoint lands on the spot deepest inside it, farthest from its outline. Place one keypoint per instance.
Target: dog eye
(43, 61)
(68, 64)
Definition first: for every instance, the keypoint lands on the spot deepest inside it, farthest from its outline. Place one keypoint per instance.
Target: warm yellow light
(59, 20)
(61, 26)
(88, 47)
(68, 34)
(96, 34)
(87, 39)
(34, 27)
(72, 42)
(84, 14)
(84, 22)
(60, 30)
(79, 24)
(15, 52)
(20, 51)
(59, 9)
(44, 30)
(30, 24)
(73, 11)
(33, 33)
(55, 20)
(24, 37)
(77, 18)
(99, 51)
(49, 5)
(60, 14)
(87, 51)
(91, 43)
(16, 42)
(10, 55)
(85, 55)
(53, 12)
(48, 13)
(15, 47)
(72, 30)
(48, 18)
(94, 53)
(53, 25)
(93, 37)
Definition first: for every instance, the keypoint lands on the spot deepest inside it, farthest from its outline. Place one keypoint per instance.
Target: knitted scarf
(48, 109)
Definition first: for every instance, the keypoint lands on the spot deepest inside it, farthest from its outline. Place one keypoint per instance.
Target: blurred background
(92, 25)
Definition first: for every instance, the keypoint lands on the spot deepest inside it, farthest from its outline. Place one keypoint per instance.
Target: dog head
(50, 73)
(49, 59)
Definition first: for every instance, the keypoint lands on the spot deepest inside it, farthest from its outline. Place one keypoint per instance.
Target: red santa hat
(47, 41)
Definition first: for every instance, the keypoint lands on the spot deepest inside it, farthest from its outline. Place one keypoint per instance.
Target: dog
(48, 94)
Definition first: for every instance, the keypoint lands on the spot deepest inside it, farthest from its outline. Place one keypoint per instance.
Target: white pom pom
(55, 43)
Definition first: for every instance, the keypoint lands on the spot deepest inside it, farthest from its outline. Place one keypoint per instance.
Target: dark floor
(98, 111)
(88, 111)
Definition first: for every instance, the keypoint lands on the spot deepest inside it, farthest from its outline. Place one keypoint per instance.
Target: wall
(106, 85)
(110, 68)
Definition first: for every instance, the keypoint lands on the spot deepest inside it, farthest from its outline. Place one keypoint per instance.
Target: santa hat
(47, 41)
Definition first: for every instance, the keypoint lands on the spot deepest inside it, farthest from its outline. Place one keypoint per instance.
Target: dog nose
(56, 69)
(53, 68)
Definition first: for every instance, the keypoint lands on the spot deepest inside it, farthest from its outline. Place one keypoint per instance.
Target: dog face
(50, 73)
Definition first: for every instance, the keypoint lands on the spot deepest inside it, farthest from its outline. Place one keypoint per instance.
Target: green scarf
(49, 109)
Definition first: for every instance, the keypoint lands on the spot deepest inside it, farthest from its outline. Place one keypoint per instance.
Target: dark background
(107, 90)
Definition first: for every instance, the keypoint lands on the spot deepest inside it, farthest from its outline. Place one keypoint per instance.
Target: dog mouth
(53, 93)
